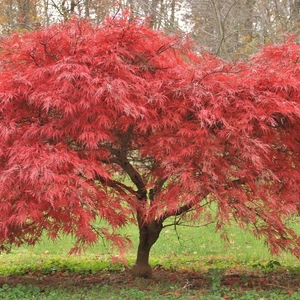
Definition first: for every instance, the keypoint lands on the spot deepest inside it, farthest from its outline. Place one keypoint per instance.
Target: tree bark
(148, 235)
(24, 8)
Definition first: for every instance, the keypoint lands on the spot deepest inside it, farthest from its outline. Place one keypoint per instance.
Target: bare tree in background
(221, 25)
(230, 28)
(276, 18)
(162, 14)
(236, 28)
(19, 15)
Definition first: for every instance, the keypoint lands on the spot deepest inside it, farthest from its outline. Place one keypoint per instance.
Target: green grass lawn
(185, 247)
(186, 250)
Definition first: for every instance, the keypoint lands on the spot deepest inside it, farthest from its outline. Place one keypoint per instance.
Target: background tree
(17, 15)
(123, 124)
(231, 29)
(237, 28)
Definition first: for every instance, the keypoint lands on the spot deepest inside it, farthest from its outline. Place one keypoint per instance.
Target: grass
(187, 247)
(46, 271)
(105, 292)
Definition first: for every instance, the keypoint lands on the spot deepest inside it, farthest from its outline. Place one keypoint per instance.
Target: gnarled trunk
(149, 234)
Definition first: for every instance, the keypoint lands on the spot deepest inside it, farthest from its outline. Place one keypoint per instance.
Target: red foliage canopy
(112, 120)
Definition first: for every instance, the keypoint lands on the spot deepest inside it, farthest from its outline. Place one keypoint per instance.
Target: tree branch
(44, 44)
(177, 223)
(183, 209)
(157, 187)
(178, 212)
(119, 186)
(121, 159)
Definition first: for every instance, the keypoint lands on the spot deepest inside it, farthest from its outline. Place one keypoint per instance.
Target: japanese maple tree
(120, 123)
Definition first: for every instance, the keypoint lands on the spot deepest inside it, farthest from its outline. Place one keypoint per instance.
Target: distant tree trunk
(46, 12)
(10, 15)
(249, 19)
(148, 235)
(87, 8)
(72, 7)
(24, 7)
(172, 18)
(295, 11)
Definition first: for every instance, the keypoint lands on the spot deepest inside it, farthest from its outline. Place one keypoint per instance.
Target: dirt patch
(191, 280)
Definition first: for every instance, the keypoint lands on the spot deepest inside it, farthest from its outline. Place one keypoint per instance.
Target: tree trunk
(24, 8)
(149, 234)
(87, 8)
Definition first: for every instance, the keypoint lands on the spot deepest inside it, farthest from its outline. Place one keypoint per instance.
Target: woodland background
(232, 29)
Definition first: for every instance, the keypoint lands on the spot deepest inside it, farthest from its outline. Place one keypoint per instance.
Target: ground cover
(189, 263)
